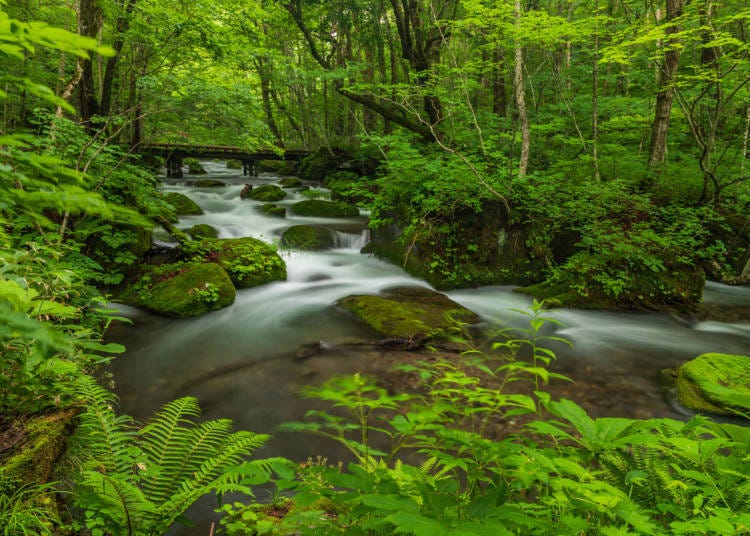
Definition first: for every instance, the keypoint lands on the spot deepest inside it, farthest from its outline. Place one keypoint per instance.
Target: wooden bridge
(175, 154)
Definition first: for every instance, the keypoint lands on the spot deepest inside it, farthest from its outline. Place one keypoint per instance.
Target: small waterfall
(351, 240)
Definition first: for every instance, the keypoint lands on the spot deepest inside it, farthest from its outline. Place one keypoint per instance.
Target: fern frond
(116, 499)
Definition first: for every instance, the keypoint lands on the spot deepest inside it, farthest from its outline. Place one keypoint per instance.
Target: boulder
(290, 182)
(183, 205)
(203, 230)
(308, 238)
(409, 313)
(248, 261)
(270, 209)
(194, 167)
(267, 193)
(234, 164)
(319, 208)
(209, 183)
(182, 290)
(715, 383)
(246, 189)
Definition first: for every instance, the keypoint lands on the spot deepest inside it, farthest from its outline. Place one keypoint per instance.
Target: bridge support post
(248, 167)
(174, 167)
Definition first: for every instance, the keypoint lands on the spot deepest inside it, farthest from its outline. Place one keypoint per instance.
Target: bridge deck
(184, 150)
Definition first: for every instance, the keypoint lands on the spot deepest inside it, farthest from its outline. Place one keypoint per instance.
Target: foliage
(26, 511)
(140, 480)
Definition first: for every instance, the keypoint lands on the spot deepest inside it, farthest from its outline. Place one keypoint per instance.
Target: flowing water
(240, 362)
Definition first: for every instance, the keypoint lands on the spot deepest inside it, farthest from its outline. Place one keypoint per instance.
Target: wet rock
(195, 167)
(715, 383)
(290, 182)
(276, 211)
(183, 205)
(203, 230)
(267, 192)
(234, 164)
(246, 191)
(409, 314)
(182, 290)
(248, 261)
(324, 209)
(209, 183)
(308, 238)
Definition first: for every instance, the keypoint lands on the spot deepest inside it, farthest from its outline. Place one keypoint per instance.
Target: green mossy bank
(715, 383)
(307, 237)
(317, 208)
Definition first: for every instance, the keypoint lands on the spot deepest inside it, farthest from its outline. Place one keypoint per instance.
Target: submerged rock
(183, 205)
(182, 290)
(324, 209)
(203, 230)
(267, 192)
(307, 237)
(248, 261)
(276, 211)
(409, 313)
(209, 183)
(715, 383)
(246, 191)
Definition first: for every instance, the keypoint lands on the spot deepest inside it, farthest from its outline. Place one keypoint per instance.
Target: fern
(139, 482)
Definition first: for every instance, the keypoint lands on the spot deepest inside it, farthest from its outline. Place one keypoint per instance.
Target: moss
(290, 182)
(194, 166)
(307, 237)
(715, 383)
(43, 442)
(182, 290)
(209, 183)
(248, 261)
(267, 193)
(409, 313)
(317, 165)
(183, 205)
(234, 164)
(203, 230)
(324, 209)
(276, 211)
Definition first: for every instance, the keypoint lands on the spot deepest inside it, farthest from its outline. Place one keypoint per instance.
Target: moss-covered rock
(715, 383)
(317, 165)
(183, 205)
(290, 182)
(409, 313)
(203, 230)
(210, 183)
(182, 290)
(276, 211)
(308, 238)
(248, 261)
(280, 167)
(319, 208)
(234, 164)
(348, 187)
(268, 193)
(194, 166)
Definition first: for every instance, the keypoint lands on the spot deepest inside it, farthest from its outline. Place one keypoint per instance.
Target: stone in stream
(209, 183)
(290, 182)
(246, 191)
(195, 167)
(307, 237)
(182, 290)
(273, 210)
(715, 383)
(267, 192)
(319, 208)
(409, 313)
(202, 230)
(183, 205)
(248, 261)
(234, 164)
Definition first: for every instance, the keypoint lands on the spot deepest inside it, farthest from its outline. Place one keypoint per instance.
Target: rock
(308, 238)
(182, 290)
(409, 313)
(246, 191)
(183, 205)
(324, 209)
(234, 164)
(209, 183)
(203, 230)
(248, 261)
(315, 166)
(270, 209)
(715, 383)
(194, 167)
(290, 182)
(268, 193)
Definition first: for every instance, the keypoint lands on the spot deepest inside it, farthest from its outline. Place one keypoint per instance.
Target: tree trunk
(595, 101)
(121, 27)
(90, 19)
(499, 98)
(518, 82)
(265, 92)
(665, 91)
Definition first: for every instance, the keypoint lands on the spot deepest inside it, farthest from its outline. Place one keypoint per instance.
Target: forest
(460, 157)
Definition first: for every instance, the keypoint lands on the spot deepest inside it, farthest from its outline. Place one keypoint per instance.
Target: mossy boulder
(195, 167)
(308, 238)
(268, 193)
(276, 211)
(183, 205)
(290, 182)
(319, 208)
(715, 383)
(409, 313)
(203, 230)
(182, 289)
(248, 261)
(234, 164)
(317, 165)
(210, 183)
